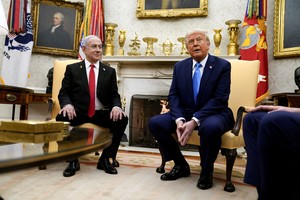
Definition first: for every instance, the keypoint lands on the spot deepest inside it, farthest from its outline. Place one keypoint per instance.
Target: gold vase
(217, 41)
(109, 38)
(183, 46)
(150, 41)
(122, 39)
(233, 31)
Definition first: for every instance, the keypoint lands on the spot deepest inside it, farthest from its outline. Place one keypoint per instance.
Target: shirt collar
(87, 64)
(202, 62)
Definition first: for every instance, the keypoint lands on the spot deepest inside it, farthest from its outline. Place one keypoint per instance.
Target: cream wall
(122, 12)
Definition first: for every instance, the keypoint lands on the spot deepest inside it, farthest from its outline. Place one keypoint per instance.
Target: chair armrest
(239, 119)
(50, 102)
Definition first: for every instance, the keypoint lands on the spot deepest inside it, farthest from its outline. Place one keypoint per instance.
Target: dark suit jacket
(75, 89)
(214, 90)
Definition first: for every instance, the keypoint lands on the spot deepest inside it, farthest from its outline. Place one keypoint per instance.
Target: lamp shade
(3, 21)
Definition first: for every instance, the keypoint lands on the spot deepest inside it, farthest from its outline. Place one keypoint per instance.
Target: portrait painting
(57, 27)
(286, 28)
(171, 8)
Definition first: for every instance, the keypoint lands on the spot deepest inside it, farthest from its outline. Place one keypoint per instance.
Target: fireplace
(142, 108)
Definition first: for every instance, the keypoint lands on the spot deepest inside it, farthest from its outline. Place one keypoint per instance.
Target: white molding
(145, 59)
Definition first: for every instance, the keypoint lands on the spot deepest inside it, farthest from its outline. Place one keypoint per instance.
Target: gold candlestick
(217, 41)
(150, 41)
(122, 38)
(233, 31)
(109, 38)
(183, 46)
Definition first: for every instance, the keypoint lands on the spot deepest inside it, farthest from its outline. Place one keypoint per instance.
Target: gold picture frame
(286, 29)
(65, 38)
(179, 8)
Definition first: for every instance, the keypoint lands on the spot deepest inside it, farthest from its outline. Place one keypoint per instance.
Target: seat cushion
(229, 140)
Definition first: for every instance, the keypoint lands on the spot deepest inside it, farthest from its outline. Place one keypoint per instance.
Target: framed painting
(171, 8)
(56, 26)
(286, 28)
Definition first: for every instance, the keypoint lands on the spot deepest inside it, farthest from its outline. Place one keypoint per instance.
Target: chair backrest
(244, 79)
(58, 74)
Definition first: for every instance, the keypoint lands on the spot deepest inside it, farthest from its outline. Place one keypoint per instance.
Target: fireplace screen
(142, 108)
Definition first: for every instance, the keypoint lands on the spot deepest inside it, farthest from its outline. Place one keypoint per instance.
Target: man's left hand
(117, 113)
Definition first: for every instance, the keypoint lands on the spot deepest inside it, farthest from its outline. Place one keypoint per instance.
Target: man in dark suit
(272, 139)
(101, 106)
(56, 36)
(208, 111)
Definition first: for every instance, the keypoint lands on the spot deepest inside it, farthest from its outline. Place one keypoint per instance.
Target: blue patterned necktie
(196, 80)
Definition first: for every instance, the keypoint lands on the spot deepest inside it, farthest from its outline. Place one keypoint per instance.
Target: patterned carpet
(153, 160)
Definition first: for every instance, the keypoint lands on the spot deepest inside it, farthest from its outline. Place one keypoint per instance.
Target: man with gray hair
(198, 100)
(89, 94)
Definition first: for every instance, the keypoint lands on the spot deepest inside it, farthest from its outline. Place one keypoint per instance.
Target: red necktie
(91, 111)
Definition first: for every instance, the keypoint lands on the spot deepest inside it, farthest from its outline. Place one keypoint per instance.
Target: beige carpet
(153, 160)
(137, 180)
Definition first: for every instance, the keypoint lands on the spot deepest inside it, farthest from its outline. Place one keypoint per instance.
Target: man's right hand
(68, 110)
(184, 131)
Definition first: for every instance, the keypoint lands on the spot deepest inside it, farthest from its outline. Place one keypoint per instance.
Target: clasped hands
(69, 110)
(184, 131)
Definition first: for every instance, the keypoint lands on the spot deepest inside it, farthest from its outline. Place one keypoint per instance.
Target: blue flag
(17, 51)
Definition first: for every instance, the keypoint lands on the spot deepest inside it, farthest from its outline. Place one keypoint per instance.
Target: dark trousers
(273, 148)
(102, 118)
(211, 129)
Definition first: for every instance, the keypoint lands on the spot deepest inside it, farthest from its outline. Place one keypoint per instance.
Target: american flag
(93, 22)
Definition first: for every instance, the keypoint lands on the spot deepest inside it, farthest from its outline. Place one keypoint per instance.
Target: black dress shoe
(71, 169)
(115, 163)
(177, 172)
(205, 181)
(106, 166)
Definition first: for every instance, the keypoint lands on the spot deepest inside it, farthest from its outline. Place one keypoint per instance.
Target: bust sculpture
(297, 78)
(50, 81)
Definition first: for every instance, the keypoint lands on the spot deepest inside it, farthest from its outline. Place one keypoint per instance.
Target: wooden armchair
(244, 78)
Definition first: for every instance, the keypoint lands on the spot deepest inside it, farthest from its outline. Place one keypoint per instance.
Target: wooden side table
(286, 99)
(20, 96)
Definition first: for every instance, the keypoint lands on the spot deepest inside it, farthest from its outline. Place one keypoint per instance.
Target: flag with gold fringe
(18, 45)
(254, 42)
(93, 22)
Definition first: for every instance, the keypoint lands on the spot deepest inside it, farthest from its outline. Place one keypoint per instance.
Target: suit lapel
(188, 73)
(84, 75)
(101, 74)
(208, 69)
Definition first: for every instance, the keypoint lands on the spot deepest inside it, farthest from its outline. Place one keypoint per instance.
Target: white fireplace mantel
(150, 59)
(146, 66)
